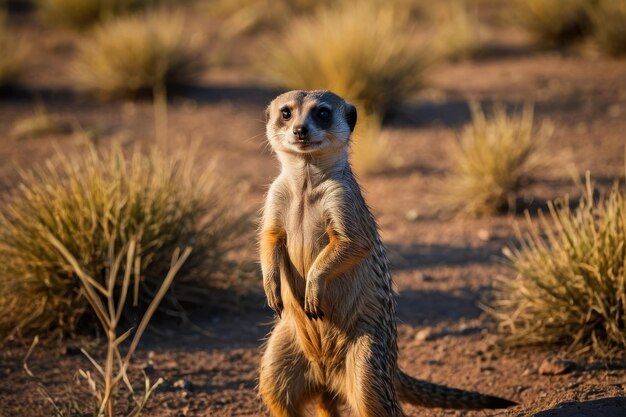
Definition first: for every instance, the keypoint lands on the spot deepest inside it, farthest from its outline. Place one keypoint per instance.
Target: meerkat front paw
(274, 299)
(313, 296)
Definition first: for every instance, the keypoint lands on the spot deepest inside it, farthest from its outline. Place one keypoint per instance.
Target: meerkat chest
(306, 230)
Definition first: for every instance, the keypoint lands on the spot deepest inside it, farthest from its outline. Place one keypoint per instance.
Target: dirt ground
(442, 268)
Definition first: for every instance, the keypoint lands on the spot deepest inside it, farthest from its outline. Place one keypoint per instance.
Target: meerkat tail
(426, 394)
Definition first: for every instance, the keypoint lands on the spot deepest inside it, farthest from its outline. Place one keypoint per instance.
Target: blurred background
(133, 129)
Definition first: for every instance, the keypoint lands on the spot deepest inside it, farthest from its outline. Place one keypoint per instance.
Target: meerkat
(326, 275)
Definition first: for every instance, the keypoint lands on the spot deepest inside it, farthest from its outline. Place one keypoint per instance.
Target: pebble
(423, 335)
(484, 235)
(411, 215)
(183, 384)
(555, 366)
(614, 111)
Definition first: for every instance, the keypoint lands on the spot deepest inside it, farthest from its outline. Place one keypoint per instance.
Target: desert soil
(443, 268)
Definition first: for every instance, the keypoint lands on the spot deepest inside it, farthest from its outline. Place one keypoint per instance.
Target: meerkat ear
(350, 112)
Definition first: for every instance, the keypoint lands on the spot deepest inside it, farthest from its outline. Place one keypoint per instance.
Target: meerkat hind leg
(370, 391)
(286, 382)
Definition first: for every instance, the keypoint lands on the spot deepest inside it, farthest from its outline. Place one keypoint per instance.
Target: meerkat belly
(306, 236)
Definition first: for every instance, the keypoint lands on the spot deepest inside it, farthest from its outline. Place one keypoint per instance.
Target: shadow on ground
(416, 307)
(454, 113)
(604, 407)
(415, 257)
(248, 94)
(206, 94)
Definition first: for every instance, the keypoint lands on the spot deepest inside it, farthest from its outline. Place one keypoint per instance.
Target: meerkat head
(309, 122)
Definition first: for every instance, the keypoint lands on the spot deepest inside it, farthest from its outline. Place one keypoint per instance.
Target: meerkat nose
(301, 131)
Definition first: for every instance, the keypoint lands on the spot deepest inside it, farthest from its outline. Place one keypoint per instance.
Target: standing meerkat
(326, 275)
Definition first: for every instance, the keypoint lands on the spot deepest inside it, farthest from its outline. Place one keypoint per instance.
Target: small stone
(614, 111)
(183, 385)
(555, 366)
(423, 335)
(484, 235)
(487, 369)
(411, 215)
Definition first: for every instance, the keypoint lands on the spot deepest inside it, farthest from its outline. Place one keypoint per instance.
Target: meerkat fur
(326, 275)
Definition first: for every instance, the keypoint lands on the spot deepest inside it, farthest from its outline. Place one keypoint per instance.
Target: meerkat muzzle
(301, 132)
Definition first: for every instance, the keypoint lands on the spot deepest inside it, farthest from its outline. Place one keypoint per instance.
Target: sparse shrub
(570, 283)
(553, 22)
(88, 201)
(493, 159)
(609, 26)
(246, 16)
(12, 54)
(361, 52)
(84, 13)
(249, 16)
(457, 33)
(134, 54)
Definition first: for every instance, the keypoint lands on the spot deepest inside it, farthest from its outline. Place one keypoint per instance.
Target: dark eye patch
(323, 117)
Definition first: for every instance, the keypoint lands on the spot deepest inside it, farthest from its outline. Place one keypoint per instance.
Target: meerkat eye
(285, 113)
(323, 113)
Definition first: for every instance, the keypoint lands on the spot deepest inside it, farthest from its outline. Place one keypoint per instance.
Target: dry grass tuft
(136, 54)
(13, 52)
(457, 32)
(609, 27)
(248, 16)
(493, 159)
(363, 53)
(80, 14)
(553, 22)
(41, 123)
(86, 202)
(570, 283)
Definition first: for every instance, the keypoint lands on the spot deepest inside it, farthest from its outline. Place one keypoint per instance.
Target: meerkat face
(309, 122)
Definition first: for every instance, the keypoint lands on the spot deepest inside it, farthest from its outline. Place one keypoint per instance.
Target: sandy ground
(442, 268)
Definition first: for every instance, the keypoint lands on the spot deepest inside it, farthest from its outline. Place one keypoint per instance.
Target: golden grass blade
(93, 362)
(28, 353)
(130, 261)
(155, 302)
(88, 282)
